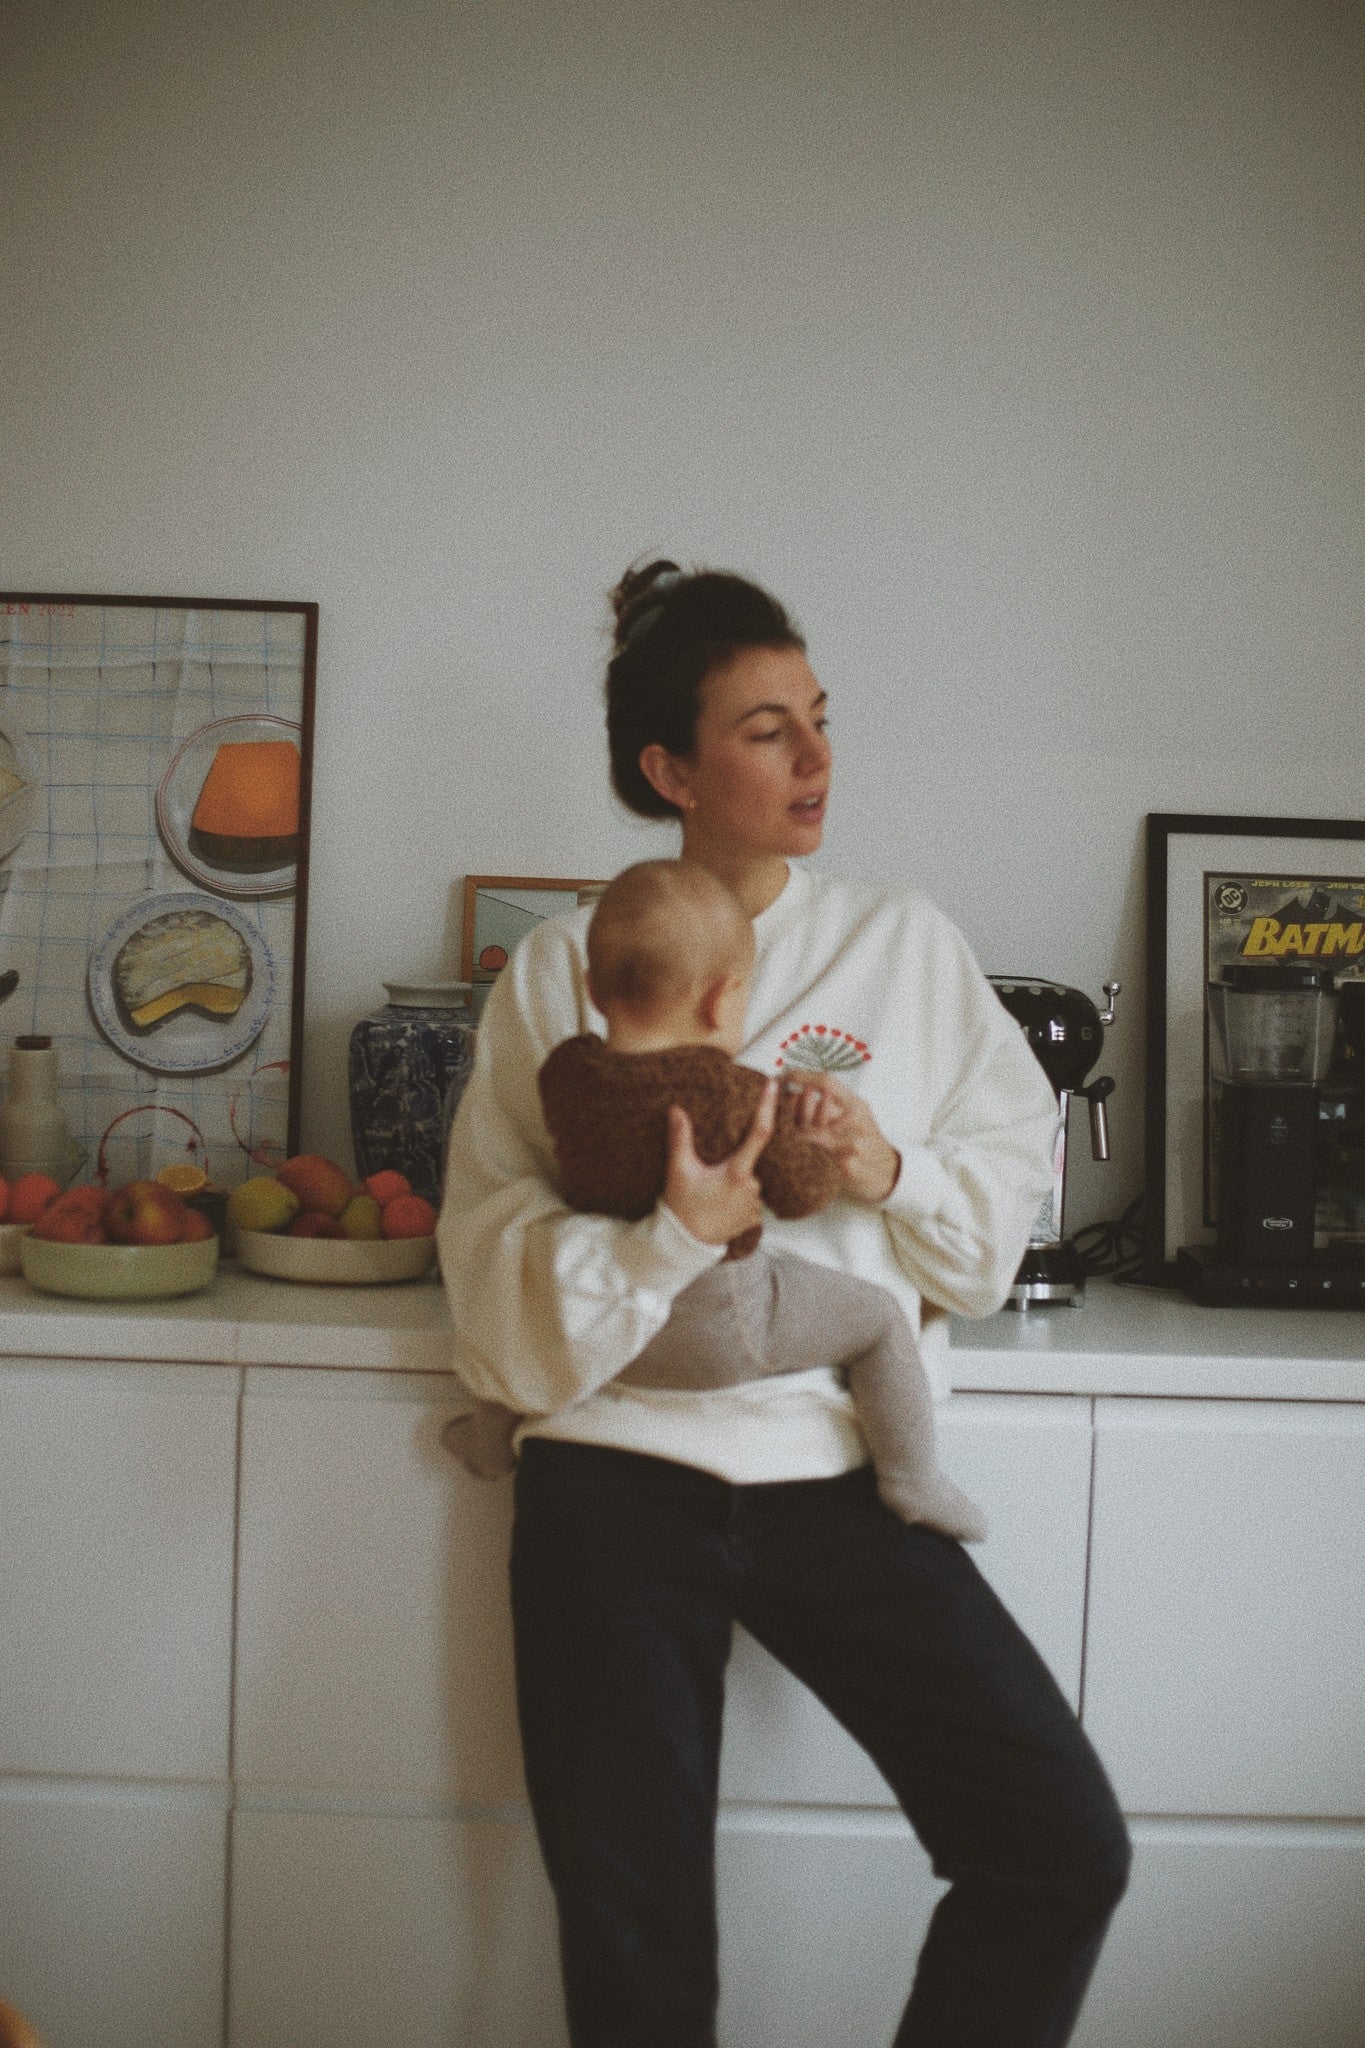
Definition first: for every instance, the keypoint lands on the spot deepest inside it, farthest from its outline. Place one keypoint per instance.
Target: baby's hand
(716, 1203)
(834, 1117)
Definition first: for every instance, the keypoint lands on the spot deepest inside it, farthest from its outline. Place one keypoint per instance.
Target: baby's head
(670, 954)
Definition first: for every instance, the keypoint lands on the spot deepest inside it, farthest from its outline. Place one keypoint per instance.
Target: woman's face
(758, 778)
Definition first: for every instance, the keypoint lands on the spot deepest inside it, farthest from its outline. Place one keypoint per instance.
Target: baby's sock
(482, 1440)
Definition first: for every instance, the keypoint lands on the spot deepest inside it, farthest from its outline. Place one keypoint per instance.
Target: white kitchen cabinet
(116, 1529)
(1027, 1461)
(117, 1487)
(359, 1764)
(411, 1929)
(1235, 1935)
(1227, 1607)
(821, 1922)
(374, 1645)
(112, 1913)
(427, 1929)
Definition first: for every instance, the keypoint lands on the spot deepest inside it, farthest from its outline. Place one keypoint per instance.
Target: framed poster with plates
(155, 791)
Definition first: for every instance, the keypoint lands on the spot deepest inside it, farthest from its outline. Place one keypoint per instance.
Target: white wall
(1019, 347)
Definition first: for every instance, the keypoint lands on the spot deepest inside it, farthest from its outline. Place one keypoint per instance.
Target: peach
(144, 1212)
(315, 1223)
(408, 1216)
(197, 1226)
(319, 1183)
(384, 1186)
(30, 1195)
(64, 1222)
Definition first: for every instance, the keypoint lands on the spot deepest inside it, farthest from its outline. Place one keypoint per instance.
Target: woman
(648, 1522)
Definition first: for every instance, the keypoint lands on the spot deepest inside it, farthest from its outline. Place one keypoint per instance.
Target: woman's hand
(716, 1203)
(841, 1122)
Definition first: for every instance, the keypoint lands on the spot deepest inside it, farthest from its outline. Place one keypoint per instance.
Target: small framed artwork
(155, 776)
(499, 910)
(1222, 891)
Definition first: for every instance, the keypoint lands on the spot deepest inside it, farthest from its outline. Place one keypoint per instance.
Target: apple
(315, 1223)
(145, 1212)
(384, 1186)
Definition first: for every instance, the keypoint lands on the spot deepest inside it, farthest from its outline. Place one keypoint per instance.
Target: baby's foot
(482, 1440)
(933, 1499)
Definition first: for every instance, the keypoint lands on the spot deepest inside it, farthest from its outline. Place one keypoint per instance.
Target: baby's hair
(662, 929)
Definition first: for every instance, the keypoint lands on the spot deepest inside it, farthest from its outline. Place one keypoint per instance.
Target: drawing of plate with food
(18, 789)
(182, 983)
(228, 805)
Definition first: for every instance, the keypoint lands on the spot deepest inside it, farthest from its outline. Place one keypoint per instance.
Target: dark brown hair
(673, 630)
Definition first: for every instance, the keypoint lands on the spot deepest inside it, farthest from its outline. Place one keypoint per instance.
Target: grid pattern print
(95, 702)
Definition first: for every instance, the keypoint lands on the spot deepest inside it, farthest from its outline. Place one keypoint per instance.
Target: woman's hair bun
(638, 592)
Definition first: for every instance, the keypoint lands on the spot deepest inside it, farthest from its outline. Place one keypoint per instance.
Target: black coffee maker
(1066, 1032)
(1285, 1139)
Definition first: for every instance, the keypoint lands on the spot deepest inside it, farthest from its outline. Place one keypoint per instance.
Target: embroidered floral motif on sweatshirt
(821, 1049)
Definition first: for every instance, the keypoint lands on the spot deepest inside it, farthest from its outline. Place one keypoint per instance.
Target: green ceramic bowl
(335, 1261)
(119, 1272)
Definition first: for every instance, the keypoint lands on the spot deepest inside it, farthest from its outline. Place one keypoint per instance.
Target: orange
(184, 1179)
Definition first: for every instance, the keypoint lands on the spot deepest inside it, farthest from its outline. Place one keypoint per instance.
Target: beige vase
(35, 1136)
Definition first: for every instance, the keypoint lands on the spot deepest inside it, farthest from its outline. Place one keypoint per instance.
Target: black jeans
(627, 1574)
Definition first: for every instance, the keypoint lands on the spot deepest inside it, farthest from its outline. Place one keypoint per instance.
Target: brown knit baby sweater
(607, 1113)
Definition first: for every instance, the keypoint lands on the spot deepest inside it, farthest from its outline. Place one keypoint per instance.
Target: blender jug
(1272, 1024)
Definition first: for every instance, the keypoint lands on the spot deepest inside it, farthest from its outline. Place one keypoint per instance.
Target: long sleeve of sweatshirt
(547, 1303)
(979, 1163)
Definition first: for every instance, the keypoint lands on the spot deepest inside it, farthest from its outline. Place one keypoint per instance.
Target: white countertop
(240, 1319)
(1153, 1340)
(1122, 1340)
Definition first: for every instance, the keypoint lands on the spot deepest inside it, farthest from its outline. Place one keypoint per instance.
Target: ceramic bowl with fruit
(138, 1242)
(310, 1221)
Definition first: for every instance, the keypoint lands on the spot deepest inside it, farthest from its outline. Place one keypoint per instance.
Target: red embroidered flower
(822, 1049)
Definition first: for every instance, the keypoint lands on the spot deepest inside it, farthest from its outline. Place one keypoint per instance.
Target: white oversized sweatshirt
(869, 982)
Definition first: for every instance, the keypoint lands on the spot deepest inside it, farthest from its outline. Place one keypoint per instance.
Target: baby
(670, 955)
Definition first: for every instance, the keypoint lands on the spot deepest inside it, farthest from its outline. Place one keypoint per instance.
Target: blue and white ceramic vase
(408, 1066)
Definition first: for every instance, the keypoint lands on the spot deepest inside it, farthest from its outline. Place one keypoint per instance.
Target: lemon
(262, 1203)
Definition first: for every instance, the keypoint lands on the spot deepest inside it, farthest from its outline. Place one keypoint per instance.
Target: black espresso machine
(1066, 1032)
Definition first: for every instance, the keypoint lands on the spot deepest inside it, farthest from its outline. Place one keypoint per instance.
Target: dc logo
(1230, 896)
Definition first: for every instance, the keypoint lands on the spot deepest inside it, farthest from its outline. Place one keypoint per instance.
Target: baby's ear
(709, 1004)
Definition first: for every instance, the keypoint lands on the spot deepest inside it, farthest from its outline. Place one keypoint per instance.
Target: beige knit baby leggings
(747, 1319)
